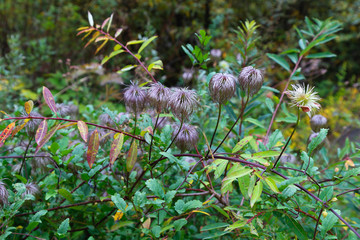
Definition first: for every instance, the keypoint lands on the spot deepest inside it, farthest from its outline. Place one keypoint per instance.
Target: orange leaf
(6, 133)
(131, 158)
(29, 106)
(83, 129)
(41, 131)
(49, 99)
(93, 148)
(116, 147)
(47, 137)
(19, 127)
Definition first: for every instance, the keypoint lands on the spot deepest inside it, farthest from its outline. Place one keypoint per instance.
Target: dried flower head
(304, 98)
(222, 87)
(32, 189)
(251, 80)
(63, 109)
(159, 96)
(40, 163)
(105, 119)
(135, 98)
(33, 124)
(187, 137)
(183, 103)
(317, 122)
(216, 53)
(4, 194)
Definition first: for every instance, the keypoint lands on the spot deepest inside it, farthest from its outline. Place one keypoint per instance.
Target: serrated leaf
(131, 157)
(47, 137)
(83, 129)
(93, 148)
(279, 60)
(116, 147)
(49, 99)
(146, 43)
(242, 143)
(119, 202)
(41, 131)
(178, 224)
(256, 193)
(317, 140)
(64, 227)
(29, 106)
(155, 186)
(91, 19)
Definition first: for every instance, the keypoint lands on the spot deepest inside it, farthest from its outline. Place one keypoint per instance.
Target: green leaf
(66, 194)
(119, 202)
(295, 227)
(156, 65)
(236, 225)
(271, 183)
(35, 220)
(242, 143)
(140, 199)
(178, 224)
(132, 156)
(279, 60)
(147, 42)
(256, 193)
(126, 68)
(235, 172)
(321, 55)
(220, 168)
(220, 210)
(244, 182)
(255, 121)
(329, 222)
(133, 42)
(270, 104)
(64, 227)
(317, 140)
(180, 206)
(265, 154)
(327, 193)
(214, 226)
(155, 186)
(169, 196)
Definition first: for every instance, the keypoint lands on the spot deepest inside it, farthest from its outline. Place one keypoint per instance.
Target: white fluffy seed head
(32, 189)
(187, 137)
(33, 124)
(135, 98)
(159, 96)
(304, 97)
(317, 122)
(4, 194)
(183, 102)
(250, 80)
(222, 87)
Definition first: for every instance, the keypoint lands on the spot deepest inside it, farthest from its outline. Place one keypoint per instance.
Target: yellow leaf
(198, 211)
(29, 106)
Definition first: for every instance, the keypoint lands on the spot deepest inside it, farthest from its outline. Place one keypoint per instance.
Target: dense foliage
(225, 155)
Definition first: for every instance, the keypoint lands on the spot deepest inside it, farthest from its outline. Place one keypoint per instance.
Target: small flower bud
(317, 122)
(183, 103)
(4, 194)
(334, 199)
(324, 213)
(336, 169)
(250, 80)
(187, 137)
(222, 87)
(135, 98)
(159, 96)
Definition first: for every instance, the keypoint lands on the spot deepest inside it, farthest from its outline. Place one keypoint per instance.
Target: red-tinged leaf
(6, 133)
(19, 127)
(83, 129)
(101, 46)
(29, 106)
(41, 131)
(94, 36)
(105, 22)
(47, 137)
(85, 30)
(116, 147)
(67, 125)
(131, 158)
(93, 148)
(49, 99)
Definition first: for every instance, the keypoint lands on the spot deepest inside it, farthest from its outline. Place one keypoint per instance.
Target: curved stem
(240, 116)
(216, 127)
(288, 141)
(177, 134)
(152, 137)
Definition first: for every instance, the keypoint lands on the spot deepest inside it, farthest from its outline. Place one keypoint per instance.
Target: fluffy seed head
(222, 87)
(251, 80)
(32, 189)
(304, 97)
(105, 119)
(183, 103)
(63, 109)
(40, 163)
(187, 137)
(4, 194)
(317, 122)
(135, 98)
(159, 96)
(33, 124)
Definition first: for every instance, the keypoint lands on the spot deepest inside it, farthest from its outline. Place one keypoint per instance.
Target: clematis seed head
(183, 102)
(135, 98)
(187, 137)
(159, 96)
(222, 87)
(250, 80)
(317, 122)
